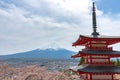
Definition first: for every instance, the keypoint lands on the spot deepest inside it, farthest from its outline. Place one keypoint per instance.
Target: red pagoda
(97, 54)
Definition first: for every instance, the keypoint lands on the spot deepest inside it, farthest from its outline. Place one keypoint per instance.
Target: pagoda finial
(95, 33)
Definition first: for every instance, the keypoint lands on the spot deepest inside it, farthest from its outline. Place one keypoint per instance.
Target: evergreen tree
(81, 61)
(118, 62)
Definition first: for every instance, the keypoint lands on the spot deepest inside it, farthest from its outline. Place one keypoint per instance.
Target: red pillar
(86, 76)
(112, 77)
(109, 59)
(106, 45)
(90, 45)
(90, 76)
(87, 59)
(90, 59)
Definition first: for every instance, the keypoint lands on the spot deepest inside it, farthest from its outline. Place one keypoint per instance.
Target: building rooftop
(100, 69)
(97, 52)
(100, 52)
(83, 39)
(100, 36)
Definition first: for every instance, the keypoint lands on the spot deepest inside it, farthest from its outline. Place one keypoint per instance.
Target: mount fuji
(41, 54)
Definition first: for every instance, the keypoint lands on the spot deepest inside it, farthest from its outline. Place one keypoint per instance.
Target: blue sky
(109, 6)
(30, 24)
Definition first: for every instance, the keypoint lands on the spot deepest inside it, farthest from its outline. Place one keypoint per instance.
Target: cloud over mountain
(31, 24)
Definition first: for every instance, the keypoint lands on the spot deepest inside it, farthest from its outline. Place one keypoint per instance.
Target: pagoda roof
(100, 52)
(97, 52)
(85, 38)
(100, 69)
(100, 36)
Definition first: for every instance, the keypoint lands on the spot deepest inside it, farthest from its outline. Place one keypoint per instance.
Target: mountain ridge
(41, 54)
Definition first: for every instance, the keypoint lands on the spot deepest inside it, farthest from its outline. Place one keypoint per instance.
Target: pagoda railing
(102, 63)
(96, 48)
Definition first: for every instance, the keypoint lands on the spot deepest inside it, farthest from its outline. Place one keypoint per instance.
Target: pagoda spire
(94, 23)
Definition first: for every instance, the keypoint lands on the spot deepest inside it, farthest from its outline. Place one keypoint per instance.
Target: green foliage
(117, 62)
(81, 61)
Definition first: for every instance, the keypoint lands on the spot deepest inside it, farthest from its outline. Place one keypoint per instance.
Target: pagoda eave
(100, 70)
(82, 72)
(82, 40)
(81, 54)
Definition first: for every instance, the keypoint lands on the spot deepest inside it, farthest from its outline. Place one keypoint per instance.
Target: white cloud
(71, 5)
(33, 3)
(47, 23)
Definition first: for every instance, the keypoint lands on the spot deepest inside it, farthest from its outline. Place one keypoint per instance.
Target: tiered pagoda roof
(100, 69)
(108, 40)
(97, 54)
(83, 39)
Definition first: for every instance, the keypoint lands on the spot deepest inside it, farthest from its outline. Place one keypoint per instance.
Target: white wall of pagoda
(96, 59)
(97, 76)
(99, 56)
(100, 60)
(102, 77)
